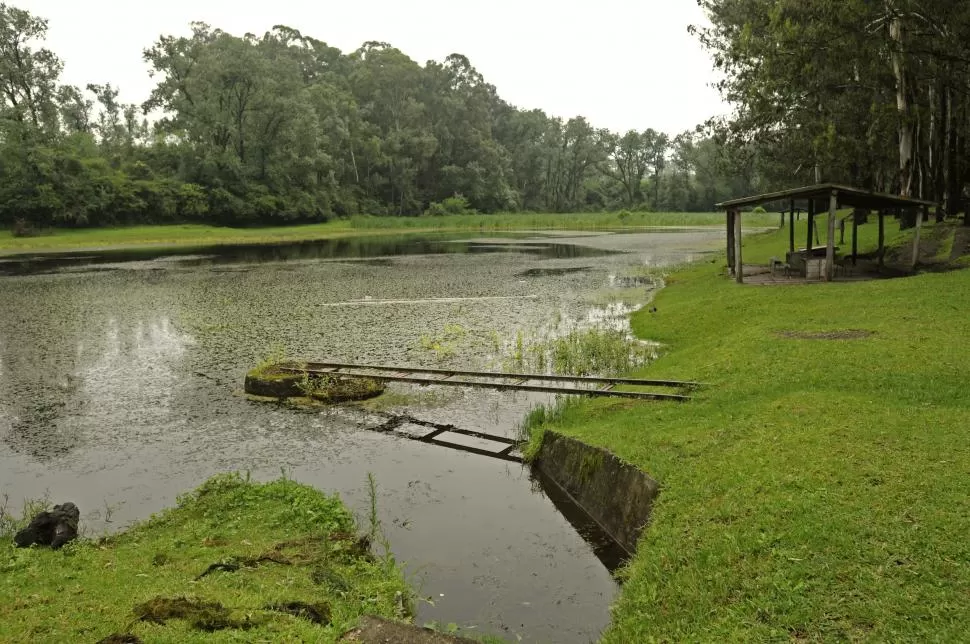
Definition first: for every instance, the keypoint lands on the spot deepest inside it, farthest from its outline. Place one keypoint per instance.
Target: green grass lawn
(289, 542)
(818, 489)
(202, 235)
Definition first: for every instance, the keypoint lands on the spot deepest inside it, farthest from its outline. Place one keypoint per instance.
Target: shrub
(456, 205)
(228, 209)
(192, 201)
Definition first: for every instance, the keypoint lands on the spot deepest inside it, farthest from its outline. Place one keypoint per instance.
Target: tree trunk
(959, 178)
(937, 143)
(906, 125)
(353, 159)
(949, 142)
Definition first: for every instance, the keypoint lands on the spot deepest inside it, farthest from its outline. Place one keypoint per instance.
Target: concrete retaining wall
(614, 493)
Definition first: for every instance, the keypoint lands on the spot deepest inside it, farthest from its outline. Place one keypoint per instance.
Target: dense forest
(875, 93)
(282, 127)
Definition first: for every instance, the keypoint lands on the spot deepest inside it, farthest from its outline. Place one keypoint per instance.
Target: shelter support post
(855, 238)
(882, 237)
(921, 214)
(730, 240)
(738, 262)
(791, 228)
(811, 223)
(830, 247)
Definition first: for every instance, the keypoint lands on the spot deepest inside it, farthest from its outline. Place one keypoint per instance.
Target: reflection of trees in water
(131, 374)
(351, 248)
(67, 365)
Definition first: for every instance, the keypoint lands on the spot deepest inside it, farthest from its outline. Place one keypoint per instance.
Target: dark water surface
(121, 373)
(372, 246)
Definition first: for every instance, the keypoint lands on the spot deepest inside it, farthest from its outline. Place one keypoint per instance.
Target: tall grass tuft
(584, 352)
(534, 425)
(10, 524)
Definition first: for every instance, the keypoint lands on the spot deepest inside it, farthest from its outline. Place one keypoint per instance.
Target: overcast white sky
(624, 64)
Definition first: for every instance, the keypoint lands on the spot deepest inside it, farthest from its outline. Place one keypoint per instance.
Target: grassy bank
(277, 545)
(203, 235)
(818, 489)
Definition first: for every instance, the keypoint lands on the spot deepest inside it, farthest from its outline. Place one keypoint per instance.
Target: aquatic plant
(518, 356)
(603, 352)
(445, 344)
(10, 523)
(270, 361)
(582, 352)
(376, 532)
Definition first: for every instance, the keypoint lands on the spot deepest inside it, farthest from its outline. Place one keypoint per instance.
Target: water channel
(121, 377)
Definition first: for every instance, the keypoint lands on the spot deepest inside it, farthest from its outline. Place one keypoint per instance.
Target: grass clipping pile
(279, 381)
(277, 561)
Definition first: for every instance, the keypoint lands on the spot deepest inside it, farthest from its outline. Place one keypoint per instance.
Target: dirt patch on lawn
(838, 334)
(121, 638)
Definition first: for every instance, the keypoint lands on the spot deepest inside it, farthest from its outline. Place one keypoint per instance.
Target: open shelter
(826, 197)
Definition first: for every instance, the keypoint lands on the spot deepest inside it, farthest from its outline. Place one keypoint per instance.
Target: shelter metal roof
(847, 196)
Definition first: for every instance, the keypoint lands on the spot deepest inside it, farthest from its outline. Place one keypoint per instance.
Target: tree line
(283, 128)
(874, 93)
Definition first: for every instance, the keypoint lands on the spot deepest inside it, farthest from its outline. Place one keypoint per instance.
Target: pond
(121, 378)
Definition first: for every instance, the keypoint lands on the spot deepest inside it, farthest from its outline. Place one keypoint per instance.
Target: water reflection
(352, 248)
(135, 369)
(606, 549)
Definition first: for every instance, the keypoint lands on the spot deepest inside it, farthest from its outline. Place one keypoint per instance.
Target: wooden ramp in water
(463, 440)
(541, 383)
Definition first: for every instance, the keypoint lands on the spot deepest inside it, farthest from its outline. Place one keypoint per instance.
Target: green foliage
(283, 129)
(445, 344)
(587, 352)
(269, 362)
(330, 389)
(855, 110)
(539, 418)
(811, 491)
(456, 205)
(272, 544)
(10, 524)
